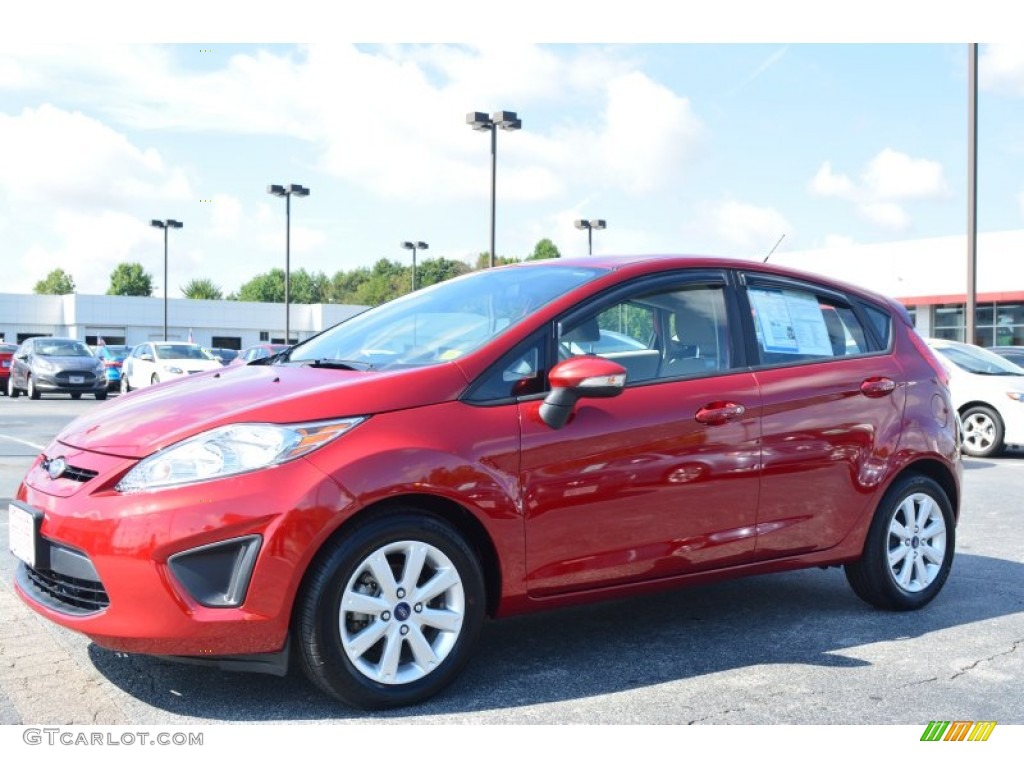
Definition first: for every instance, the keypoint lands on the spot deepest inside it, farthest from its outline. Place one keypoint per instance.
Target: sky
(690, 135)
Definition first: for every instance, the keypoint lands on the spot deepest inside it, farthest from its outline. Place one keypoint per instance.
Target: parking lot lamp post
(507, 121)
(278, 190)
(590, 226)
(165, 225)
(418, 245)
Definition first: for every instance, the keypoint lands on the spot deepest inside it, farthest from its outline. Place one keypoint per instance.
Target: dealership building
(136, 319)
(928, 276)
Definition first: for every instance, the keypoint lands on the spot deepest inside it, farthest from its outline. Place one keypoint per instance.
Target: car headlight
(1018, 396)
(231, 450)
(44, 365)
(173, 369)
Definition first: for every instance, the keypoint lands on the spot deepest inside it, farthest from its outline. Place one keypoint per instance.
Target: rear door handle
(719, 413)
(877, 386)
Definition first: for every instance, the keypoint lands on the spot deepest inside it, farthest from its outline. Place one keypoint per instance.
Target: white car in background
(157, 361)
(988, 393)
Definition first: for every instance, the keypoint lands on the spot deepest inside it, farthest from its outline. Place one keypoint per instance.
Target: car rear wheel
(33, 393)
(983, 432)
(909, 548)
(101, 395)
(389, 612)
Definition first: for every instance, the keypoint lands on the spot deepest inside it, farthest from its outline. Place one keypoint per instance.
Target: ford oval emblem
(55, 467)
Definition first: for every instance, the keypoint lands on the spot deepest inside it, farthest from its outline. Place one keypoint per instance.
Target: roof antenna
(773, 248)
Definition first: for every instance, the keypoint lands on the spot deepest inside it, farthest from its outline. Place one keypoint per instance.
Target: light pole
(420, 245)
(507, 121)
(278, 190)
(590, 226)
(165, 225)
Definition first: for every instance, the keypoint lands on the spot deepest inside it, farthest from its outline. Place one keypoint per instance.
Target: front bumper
(204, 570)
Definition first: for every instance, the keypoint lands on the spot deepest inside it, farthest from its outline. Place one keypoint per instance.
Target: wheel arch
(938, 472)
(448, 511)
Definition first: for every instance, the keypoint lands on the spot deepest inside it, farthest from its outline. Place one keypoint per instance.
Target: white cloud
(892, 175)
(67, 158)
(750, 226)
(1001, 69)
(888, 179)
(826, 183)
(887, 215)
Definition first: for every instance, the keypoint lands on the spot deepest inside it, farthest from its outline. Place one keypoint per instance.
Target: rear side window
(795, 324)
(880, 322)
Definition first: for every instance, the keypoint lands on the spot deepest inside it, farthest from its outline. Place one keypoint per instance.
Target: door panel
(635, 487)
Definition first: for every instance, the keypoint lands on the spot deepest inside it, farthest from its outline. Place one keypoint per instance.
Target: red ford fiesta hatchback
(362, 503)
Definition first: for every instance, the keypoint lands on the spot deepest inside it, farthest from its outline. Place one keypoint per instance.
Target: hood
(142, 422)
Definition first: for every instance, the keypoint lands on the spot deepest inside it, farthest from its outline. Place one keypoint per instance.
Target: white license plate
(5, 364)
(21, 533)
(77, 379)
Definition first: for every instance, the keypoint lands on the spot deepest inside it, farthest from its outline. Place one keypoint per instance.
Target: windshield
(981, 361)
(182, 352)
(445, 321)
(62, 348)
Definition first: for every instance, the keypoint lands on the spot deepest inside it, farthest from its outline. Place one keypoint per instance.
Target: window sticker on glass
(790, 322)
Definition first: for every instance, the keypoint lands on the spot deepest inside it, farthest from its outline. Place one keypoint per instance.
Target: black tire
(33, 393)
(327, 636)
(983, 432)
(101, 395)
(125, 386)
(12, 391)
(913, 506)
(154, 379)
(76, 395)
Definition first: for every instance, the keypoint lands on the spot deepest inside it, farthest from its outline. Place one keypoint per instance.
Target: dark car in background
(1014, 354)
(113, 356)
(48, 364)
(258, 352)
(224, 354)
(6, 355)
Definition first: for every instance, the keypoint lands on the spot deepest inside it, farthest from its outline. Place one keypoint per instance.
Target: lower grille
(63, 580)
(71, 595)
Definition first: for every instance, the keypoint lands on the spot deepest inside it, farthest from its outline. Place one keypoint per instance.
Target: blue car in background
(113, 356)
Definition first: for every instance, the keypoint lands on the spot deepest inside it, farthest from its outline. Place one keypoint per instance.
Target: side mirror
(579, 377)
(146, 356)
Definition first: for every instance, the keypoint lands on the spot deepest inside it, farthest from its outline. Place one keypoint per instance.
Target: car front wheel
(33, 393)
(12, 391)
(909, 548)
(125, 386)
(390, 611)
(983, 432)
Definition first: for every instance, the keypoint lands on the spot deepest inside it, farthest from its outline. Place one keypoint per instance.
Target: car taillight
(931, 356)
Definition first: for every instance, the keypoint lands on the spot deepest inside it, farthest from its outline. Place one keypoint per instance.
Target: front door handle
(719, 412)
(877, 386)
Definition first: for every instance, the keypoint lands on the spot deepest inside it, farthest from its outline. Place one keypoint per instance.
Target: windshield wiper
(341, 365)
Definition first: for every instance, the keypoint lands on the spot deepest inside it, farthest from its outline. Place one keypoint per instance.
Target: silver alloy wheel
(979, 432)
(917, 542)
(402, 612)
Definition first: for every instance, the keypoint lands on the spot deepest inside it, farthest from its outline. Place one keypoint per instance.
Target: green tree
(201, 288)
(130, 279)
(483, 261)
(345, 285)
(57, 283)
(268, 287)
(438, 270)
(544, 249)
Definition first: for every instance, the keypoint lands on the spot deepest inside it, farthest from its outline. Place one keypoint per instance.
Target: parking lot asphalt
(794, 648)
